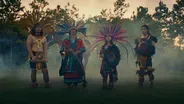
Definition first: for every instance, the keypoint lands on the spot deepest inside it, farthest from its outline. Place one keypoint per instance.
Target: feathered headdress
(115, 31)
(66, 27)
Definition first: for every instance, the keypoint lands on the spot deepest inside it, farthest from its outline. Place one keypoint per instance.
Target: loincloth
(144, 63)
(38, 63)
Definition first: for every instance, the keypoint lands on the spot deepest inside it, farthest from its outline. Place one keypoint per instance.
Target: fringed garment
(144, 51)
(111, 58)
(71, 67)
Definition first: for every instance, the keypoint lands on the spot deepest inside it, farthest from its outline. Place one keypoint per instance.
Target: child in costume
(72, 50)
(37, 48)
(109, 52)
(145, 49)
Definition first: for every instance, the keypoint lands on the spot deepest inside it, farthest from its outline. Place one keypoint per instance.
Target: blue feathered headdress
(66, 27)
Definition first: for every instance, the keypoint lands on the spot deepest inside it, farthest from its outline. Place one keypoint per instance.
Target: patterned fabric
(145, 50)
(71, 68)
(72, 77)
(38, 42)
(35, 65)
(144, 62)
(111, 58)
(113, 75)
(144, 46)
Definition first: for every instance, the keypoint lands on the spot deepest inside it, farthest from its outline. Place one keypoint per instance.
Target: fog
(165, 62)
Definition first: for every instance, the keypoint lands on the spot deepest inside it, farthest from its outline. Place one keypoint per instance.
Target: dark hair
(111, 41)
(72, 29)
(147, 27)
(33, 30)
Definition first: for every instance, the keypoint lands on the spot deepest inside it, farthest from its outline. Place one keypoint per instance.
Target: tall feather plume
(115, 31)
(66, 26)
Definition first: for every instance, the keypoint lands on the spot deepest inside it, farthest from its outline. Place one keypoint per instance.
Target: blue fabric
(65, 28)
(73, 80)
(69, 62)
(73, 44)
(33, 65)
(149, 62)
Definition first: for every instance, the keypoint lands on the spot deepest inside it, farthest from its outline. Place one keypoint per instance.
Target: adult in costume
(37, 48)
(145, 49)
(109, 52)
(72, 50)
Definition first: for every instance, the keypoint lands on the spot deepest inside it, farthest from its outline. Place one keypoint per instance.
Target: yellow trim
(149, 37)
(39, 40)
(38, 66)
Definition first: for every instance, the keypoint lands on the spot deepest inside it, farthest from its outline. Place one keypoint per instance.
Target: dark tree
(9, 10)
(177, 15)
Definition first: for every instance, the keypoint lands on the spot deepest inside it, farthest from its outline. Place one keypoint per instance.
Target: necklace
(39, 41)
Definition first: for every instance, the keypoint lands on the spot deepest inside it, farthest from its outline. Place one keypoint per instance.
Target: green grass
(17, 90)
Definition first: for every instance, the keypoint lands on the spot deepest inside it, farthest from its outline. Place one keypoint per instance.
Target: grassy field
(15, 89)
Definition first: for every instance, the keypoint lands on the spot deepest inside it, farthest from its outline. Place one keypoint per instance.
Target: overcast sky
(93, 7)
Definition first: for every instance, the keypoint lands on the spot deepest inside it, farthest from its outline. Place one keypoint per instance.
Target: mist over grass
(167, 61)
(126, 70)
(15, 84)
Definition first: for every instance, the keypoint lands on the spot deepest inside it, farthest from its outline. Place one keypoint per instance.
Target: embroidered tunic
(71, 67)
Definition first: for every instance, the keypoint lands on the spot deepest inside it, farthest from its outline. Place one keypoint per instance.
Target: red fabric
(142, 68)
(66, 43)
(71, 75)
(80, 44)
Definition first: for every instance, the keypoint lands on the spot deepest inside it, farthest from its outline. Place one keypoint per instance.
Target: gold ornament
(39, 41)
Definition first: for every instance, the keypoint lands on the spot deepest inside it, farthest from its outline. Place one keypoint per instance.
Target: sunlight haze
(94, 7)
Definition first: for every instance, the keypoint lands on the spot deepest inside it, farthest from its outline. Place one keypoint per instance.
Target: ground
(15, 89)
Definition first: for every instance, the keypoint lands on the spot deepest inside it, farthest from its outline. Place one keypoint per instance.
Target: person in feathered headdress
(37, 48)
(145, 49)
(72, 50)
(109, 52)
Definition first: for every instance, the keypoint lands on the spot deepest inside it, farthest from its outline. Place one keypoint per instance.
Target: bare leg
(33, 78)
(46, 78)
